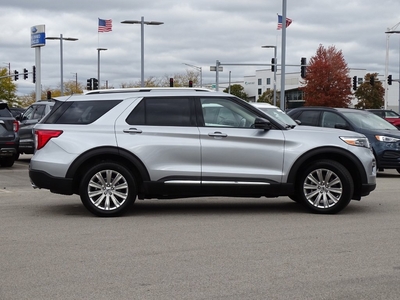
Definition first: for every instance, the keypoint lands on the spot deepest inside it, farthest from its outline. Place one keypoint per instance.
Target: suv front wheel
(108, 189)
(325, 187)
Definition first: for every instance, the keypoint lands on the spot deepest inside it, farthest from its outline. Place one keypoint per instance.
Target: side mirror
(18, 117)
(261, 123)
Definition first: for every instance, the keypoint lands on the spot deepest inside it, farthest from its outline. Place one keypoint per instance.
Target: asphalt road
(212, 248)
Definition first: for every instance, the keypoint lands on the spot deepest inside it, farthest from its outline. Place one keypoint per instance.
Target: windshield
(368, 121)
(278, 115)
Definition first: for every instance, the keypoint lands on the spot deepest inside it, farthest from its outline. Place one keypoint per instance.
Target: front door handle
(217, 134)
(132, 130)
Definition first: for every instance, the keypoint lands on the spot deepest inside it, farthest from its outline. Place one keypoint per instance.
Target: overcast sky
(194, 32)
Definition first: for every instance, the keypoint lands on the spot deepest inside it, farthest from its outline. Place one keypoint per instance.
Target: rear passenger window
(163, 112)
(79, 112)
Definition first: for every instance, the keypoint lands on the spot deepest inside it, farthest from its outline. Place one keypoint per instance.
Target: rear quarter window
(79, 112)
(5, 113)
(308, 117)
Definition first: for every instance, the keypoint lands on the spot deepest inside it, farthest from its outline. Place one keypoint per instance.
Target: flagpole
(98, 36)
(283, 55)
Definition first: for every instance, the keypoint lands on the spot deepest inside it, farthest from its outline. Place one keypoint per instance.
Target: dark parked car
(383, 136)
(9, 138)
(31, 116)
(389, 115)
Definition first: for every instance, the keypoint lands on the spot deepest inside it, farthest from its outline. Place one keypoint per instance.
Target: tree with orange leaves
(327, 82)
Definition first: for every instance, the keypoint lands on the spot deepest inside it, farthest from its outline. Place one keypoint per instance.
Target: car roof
(378, 109)
(122, 94)
(146, 89)
(339, 109)
(262, 104)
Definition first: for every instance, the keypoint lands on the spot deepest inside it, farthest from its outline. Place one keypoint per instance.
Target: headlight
(386, 139)
(356, 141)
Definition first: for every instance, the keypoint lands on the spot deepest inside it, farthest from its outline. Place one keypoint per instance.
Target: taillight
(43, 136)
(16, 126)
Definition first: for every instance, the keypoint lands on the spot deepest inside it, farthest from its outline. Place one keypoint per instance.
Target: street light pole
(275, 66)
(142, 23)
(200, 71)
(98, 65)
(61, 38)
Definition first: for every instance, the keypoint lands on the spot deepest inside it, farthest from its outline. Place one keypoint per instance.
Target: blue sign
(38, 36)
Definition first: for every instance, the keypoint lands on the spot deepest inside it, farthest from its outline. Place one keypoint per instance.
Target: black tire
(7, 162)
(108, 189)
(325, 187)
(398, 170)
(295, 199)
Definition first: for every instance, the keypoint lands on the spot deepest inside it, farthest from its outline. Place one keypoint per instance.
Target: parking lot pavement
(211, 248)
(25, 157)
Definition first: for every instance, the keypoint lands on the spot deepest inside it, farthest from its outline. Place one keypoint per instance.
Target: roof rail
(145, 89)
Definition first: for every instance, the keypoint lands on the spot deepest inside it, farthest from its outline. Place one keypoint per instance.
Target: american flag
(105, 25)
(288, 22)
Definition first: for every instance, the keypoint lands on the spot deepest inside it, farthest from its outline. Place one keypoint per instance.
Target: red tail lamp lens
(43, 136)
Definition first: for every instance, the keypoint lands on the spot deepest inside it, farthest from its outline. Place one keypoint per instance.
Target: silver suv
(114, 146)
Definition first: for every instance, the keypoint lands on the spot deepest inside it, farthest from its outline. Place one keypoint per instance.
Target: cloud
(194, 32)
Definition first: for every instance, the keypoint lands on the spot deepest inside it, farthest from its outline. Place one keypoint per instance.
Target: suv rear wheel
(325, 187)
(108, 189)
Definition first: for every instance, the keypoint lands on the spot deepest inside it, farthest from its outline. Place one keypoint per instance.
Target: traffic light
(371, 80)
(34, 74)
(25, 74)
(48, 95)
(389, 80)
(95, 84)
(272, 64)
(354, 82)
(89, 84)
(303, 68)
(16, 75)
(171, 82)
(190, 83)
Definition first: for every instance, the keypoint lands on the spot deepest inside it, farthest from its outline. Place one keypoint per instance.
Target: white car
(275, 112)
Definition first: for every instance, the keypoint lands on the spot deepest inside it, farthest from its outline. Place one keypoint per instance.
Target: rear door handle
(217, 134)
(132, 130)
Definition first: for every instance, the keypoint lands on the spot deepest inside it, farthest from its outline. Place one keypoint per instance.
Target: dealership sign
(38, 36)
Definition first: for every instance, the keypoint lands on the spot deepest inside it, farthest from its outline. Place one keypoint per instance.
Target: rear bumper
(26, 146)
(8, 151)
(43, 180)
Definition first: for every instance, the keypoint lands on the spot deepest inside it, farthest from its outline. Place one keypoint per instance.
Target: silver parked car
(114, 146)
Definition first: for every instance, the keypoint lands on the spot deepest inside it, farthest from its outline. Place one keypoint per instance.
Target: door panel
(241, 153)
(232, 150)
(166, 151)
